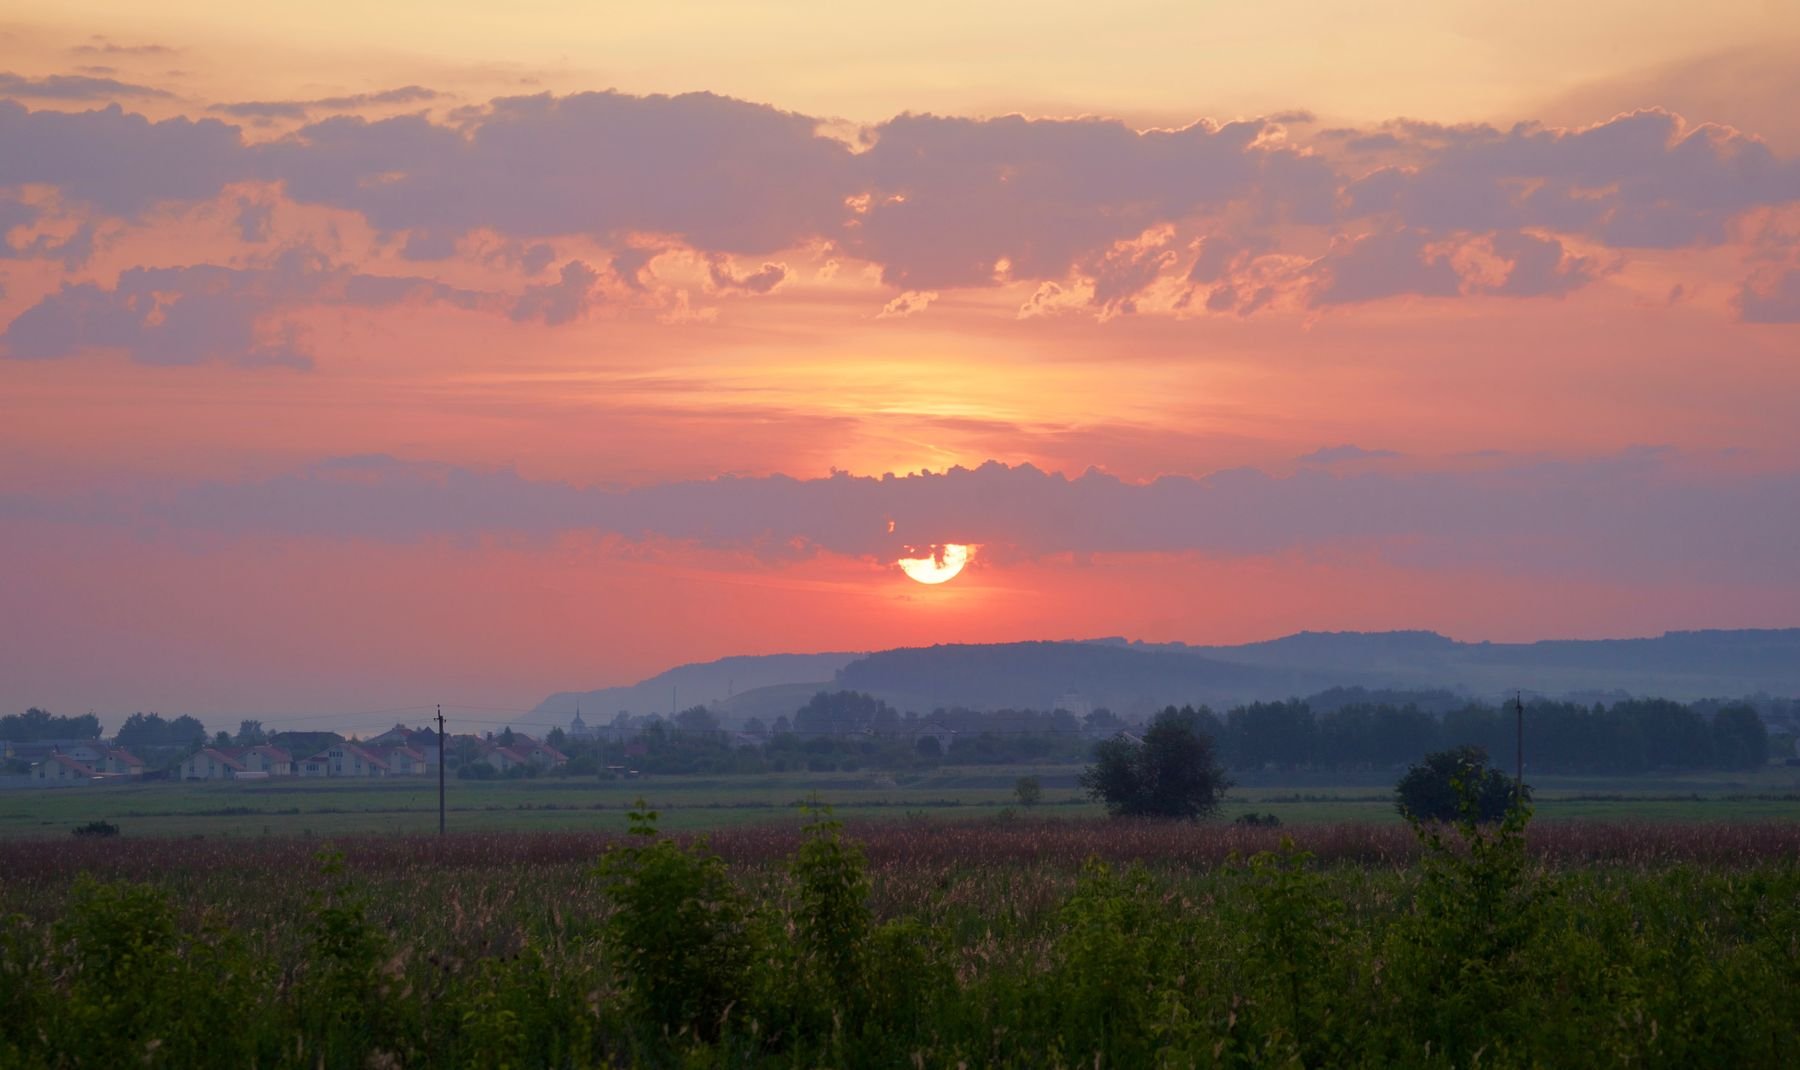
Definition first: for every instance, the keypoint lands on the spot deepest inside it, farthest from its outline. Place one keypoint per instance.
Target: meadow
(305, 924)
(324, 807)
(1019, 941)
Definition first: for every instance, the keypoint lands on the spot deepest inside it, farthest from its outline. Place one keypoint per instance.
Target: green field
(295, 807)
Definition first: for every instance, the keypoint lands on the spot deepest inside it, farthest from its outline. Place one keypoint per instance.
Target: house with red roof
(120, 761)
(353, 759)
(210, 763)
(58, 768)
(265, 759)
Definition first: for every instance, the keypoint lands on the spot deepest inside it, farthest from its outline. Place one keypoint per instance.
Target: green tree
(1172, 772)
(1740, 739)
(1433, 789)
(1028, 790)
(697, 720)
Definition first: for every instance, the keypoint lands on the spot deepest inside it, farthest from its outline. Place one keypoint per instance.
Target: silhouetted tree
(1173, 772)
(697, 719)
(1740, 739)
(35, 724)
(1428, 791)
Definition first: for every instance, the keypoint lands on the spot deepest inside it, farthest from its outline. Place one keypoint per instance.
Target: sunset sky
(364, 355)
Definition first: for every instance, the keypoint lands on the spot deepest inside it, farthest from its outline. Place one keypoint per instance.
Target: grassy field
(1026, 942)
(296, 807)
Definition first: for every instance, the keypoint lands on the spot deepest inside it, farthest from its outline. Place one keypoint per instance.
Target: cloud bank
(1238, 217)
(1639, 514)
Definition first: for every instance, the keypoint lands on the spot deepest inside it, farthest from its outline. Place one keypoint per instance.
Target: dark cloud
(254, 220)
(100, 45)
(562, 301)
(947, 199)
(718, 174)
(122, 164)
(939, 203)
(1775, 301)
(205, 314)
(300, 109)
(760, 281)
(77, 87)
(1344, 453)
(1539, 266)
(1641, 180)
(1386, 264)
(1631, 514)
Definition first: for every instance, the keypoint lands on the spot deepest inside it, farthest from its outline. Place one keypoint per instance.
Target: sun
(939, 564)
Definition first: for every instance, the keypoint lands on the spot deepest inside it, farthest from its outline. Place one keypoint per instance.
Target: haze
(372, 355)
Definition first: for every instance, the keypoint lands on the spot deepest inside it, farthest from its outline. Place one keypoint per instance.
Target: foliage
(35, 724)
(680, 928)
(1446, 785)
(1028, 790)
(96, 830)
(1171, 773)
(151, 730)
(981, 944)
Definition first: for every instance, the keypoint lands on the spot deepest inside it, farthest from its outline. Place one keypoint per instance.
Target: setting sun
(941, 564)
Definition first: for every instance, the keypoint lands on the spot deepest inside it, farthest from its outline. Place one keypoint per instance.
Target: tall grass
(1029, 944)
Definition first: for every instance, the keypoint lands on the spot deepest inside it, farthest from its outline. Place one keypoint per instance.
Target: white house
(120, 761)
(265, 759)
(208, 763)
(62, 769)
(404, 761)
(350, 759)
(943, 736)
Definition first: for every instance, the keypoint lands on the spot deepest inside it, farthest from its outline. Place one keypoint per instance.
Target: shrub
(1172, 773)
(680, 930)
(1452, 784)
(96, 830)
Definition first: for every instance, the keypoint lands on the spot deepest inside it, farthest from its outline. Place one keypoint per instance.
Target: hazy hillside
(705, 684)
(1130, 677)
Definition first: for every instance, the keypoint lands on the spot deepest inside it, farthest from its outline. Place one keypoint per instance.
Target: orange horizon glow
(407, 348)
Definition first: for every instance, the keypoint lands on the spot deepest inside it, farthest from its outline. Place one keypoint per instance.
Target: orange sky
(550, 326)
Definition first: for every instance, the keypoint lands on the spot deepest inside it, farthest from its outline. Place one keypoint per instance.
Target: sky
(363, 356)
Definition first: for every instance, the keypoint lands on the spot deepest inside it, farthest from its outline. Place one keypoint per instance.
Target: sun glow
(939, 564)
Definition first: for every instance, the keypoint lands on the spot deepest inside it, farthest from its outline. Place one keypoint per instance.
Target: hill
(1133, 677)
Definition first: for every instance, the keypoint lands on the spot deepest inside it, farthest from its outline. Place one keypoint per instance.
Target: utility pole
(440, 721)
(1519, 779)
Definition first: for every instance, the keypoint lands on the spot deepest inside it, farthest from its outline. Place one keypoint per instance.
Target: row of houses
(397, 752)
(400, 751)
(85, 761)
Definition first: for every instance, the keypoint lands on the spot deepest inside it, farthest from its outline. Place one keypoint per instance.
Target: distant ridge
(1132, 677)
(704, 684)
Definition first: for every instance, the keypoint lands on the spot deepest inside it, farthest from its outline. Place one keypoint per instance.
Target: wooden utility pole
(440, 721)
(1519, 752)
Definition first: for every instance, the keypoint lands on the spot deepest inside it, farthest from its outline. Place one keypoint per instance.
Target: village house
(940, 734)
(351, 759)
(265, 759)
(522, 751)
(209, 763)
(403, 761)
(119, 761)
(62, 769)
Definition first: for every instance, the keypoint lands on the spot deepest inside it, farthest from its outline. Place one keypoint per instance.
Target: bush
(1172, 773)
(1450, 782)
(681, 930)
(1028, 790)
(96, 830)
